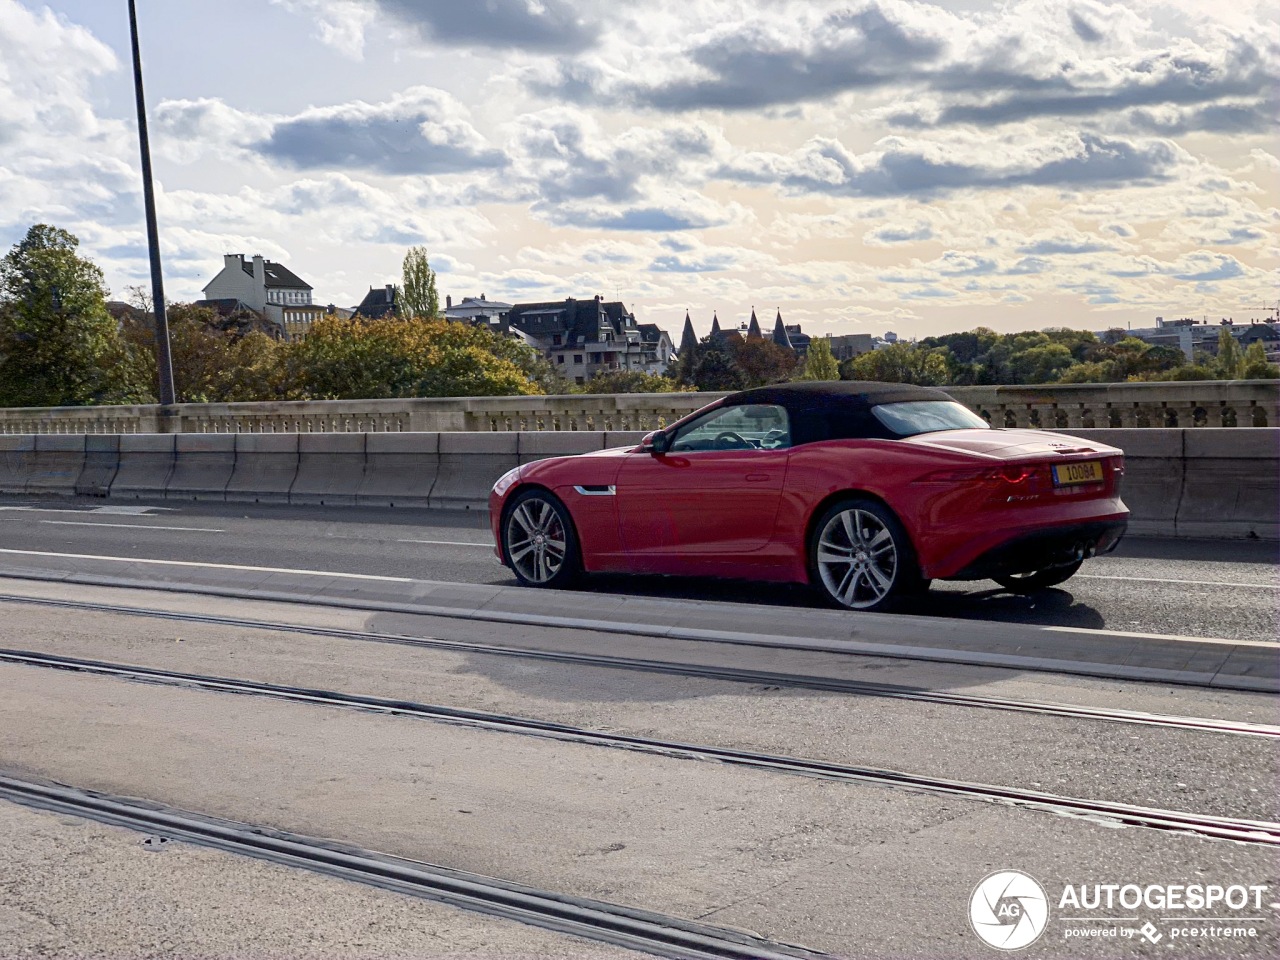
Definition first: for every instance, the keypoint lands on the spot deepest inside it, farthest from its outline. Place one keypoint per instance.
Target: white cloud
(339, 23)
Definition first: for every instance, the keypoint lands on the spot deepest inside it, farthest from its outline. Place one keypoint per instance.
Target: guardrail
(1088, 406)
(1203, 482)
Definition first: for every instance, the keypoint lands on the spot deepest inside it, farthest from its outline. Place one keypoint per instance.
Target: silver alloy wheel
(857, 558)
(536, 542)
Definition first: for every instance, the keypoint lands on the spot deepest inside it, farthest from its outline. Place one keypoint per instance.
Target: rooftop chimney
(448, 301)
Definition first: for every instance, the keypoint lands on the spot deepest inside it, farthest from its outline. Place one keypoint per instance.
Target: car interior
(744, 427)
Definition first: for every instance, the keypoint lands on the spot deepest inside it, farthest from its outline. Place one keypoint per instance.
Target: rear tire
(860, 557)
(539, 541)
(1040, 579)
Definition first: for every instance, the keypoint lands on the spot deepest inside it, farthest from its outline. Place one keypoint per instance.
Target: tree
(631, 381)
(819, 363)
(214, 360)
(58, 344)
(716, 369)
(1042, 363)
(373, 359)
(899, 363)
(1230, 362)
(418, 296)
(1091, 371)
(533, 364)
(1256, 366)
(761, 361)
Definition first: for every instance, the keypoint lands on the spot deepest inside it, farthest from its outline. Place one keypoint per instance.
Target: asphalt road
(1224, 589)
(856, 870)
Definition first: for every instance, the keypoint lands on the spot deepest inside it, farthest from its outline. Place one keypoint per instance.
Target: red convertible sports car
(867, 491)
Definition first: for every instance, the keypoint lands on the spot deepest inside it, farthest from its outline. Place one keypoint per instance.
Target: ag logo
(1009, 910)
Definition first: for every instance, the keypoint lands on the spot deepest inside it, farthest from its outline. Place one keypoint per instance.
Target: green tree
(631, 381)
(1256, 366)
(716, 368)
(819, 363)
(418, 296)
(58, 344)
(686, 366)
(899, 363)
(1042, 363)
(1230, 363)
(1092, 371)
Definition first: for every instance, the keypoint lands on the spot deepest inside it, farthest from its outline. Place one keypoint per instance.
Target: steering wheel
(729, 435)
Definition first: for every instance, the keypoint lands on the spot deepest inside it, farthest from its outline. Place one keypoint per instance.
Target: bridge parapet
(1076, 406)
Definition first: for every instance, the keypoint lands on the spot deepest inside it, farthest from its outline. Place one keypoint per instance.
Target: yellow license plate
(1066, 474)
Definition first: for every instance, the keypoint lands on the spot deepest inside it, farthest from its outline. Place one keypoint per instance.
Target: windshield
(927, 416)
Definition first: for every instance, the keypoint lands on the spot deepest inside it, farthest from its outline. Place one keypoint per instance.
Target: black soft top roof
(835, 409)
(809, 394)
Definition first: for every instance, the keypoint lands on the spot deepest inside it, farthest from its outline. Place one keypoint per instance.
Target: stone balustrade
(1254, 403)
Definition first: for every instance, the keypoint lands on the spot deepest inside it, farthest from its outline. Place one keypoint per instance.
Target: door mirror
(657, 443)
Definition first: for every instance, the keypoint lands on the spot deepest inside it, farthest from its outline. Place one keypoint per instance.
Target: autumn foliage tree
(381, 359)
(213, 361)
(761, 361)
(631, 381)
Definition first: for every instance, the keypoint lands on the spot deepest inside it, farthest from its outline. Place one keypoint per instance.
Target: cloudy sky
(863, 165)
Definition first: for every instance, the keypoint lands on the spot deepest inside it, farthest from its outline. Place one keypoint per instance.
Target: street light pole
(164, 362)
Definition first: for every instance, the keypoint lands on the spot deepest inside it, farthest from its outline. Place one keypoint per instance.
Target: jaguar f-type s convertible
(866, 491)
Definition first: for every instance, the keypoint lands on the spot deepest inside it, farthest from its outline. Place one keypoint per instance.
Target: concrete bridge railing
(1214, 403)
(1206, 482)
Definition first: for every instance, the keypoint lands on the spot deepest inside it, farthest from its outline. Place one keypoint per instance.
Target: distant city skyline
(862, 166)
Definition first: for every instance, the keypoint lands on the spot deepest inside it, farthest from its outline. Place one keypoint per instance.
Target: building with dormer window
(269, 288)
(584, 337)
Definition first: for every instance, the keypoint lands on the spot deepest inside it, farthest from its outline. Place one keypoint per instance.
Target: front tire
(539, 541)
(860, 557)
(1040, 579)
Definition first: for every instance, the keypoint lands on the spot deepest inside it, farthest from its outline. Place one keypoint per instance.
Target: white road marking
(129, 526)
(127, 511)
(368, 576)
(115, 511)
(1200, 583)
(211, 566)
(1271, 644)
(451, 543)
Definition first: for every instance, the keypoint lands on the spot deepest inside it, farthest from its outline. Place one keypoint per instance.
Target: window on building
(577, 358)
(560, 358)
(595, 358)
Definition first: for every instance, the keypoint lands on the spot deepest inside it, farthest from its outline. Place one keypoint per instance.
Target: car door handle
(756, 477)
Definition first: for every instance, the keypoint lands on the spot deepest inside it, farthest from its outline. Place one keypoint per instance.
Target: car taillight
(1117, 466)
(1016, 473)
(955, 476)
(1008, 475)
